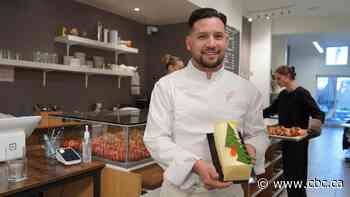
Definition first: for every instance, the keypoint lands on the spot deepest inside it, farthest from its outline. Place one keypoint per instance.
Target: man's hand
(251, 151)
(209, 176)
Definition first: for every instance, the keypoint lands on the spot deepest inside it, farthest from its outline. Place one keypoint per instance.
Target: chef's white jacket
(185, 106)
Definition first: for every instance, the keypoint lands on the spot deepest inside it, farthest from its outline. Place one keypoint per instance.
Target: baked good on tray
(288, 132)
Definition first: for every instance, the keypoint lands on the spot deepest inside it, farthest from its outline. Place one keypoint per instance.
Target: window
(337, 55)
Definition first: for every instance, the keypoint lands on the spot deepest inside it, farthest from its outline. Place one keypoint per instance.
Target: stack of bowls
(80, 56)
(98, 61)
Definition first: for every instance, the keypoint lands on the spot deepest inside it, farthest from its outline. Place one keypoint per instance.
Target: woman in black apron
(294, 106)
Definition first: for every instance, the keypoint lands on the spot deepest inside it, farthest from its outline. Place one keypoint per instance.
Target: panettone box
(228, 153)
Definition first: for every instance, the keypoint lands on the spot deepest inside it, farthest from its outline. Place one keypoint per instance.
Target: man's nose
(211, 41)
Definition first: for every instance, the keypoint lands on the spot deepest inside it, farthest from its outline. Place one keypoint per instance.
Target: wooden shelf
(64, 68)
(76, 40)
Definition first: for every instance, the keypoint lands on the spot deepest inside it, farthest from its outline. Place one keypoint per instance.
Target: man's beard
(207, 64)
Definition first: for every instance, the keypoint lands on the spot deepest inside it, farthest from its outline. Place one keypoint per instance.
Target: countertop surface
(42, 171)
(122, 118)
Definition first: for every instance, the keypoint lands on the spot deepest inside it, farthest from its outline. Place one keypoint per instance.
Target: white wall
(309, 63)
(279, 51)
(293, 25)
(260, 57)
(231, 8)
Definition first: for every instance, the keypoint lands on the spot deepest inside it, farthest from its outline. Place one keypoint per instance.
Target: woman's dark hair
(286, 70)
(205, 13)
(168, 60)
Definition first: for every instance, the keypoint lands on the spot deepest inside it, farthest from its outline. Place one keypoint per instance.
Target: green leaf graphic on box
(233, 140)
(231, 137)
(243, 156)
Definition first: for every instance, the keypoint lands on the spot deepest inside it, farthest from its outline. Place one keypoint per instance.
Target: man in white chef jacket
(185, 106)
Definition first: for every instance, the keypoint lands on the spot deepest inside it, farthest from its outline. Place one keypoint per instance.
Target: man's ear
(227, 40)
(188, 43)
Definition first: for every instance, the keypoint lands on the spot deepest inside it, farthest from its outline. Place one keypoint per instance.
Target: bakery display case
(116, 137)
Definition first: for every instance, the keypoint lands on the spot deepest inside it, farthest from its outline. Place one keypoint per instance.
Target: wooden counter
(44, 175)
(52, 122)
(47, 123)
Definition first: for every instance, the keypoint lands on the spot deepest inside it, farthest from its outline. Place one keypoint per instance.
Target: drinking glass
(16, 166)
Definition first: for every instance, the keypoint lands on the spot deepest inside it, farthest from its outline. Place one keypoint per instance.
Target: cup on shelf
(36, 56)
(17, 56)
(74, 62)
(89, 63)
(98, 61)
(6, 54)
(105, 35)
(115, 67)
(66, 60)
(113, 37)
(45, 57)
(81, 56)
(53, 58)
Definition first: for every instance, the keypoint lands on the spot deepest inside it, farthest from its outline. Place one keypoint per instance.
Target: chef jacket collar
(201, 75)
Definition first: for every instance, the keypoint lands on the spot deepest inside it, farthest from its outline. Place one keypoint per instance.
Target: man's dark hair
(205, 13)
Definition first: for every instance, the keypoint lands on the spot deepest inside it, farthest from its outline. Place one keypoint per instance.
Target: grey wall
(28, 25)
(169, 39)
(279, 51)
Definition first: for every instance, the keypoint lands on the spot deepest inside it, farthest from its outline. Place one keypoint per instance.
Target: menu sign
(231, 60)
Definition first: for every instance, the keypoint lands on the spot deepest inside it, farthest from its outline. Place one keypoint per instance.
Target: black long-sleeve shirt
(294, 108)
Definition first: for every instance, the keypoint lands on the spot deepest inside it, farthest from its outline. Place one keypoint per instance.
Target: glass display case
(116, 137)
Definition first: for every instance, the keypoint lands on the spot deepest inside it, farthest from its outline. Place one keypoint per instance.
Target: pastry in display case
(117, 138)
(110, 145)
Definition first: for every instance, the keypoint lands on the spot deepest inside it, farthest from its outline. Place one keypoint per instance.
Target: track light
(318, 47)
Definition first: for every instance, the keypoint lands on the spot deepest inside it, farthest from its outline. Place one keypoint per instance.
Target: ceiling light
(250, 19)
(137, 9)
(318, 47)
(267, 17)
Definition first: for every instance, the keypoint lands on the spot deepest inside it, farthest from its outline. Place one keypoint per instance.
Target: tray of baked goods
(283, 133)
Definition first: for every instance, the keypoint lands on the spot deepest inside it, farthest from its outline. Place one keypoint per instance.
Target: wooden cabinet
(114, 183)
(151, 176)
(118, 183)
(273, 172)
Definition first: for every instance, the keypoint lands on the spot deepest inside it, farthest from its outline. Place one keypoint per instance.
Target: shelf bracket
(116, 57)
(86, 80)
(44, 77)
(119, 81)
(67, 49)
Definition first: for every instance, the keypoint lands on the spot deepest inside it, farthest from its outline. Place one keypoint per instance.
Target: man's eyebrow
(214, 32)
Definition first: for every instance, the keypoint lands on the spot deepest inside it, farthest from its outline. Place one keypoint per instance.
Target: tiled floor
(326, 162)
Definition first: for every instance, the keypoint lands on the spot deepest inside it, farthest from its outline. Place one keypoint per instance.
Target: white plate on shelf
(129, 111)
